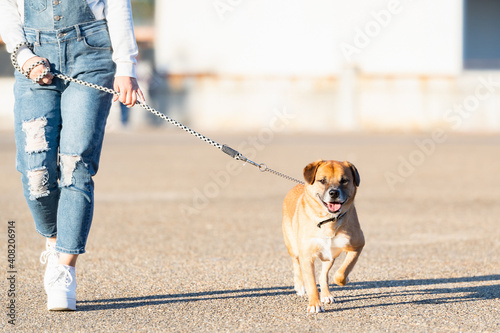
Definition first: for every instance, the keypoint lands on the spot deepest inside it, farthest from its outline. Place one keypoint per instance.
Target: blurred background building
(364, 65)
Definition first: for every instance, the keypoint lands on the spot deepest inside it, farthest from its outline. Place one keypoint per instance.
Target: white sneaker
(51, 258)
(62, 289)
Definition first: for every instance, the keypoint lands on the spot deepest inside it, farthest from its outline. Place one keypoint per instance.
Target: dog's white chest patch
(340, 241)
(322, 243)
(323, 248)
(328, 248)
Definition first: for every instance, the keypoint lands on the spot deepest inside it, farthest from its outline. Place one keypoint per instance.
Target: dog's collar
(333, 219)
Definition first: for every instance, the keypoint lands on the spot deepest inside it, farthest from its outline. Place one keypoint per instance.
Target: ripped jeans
(59, 131)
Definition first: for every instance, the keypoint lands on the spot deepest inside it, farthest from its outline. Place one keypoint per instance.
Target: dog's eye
(344, 181)
(322, 181)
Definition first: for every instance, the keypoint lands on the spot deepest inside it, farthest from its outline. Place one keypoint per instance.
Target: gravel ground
(186, 239)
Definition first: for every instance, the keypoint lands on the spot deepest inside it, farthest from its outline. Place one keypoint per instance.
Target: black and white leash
(226, 149)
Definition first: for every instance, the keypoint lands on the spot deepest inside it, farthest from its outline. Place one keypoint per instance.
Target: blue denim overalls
(60, 127)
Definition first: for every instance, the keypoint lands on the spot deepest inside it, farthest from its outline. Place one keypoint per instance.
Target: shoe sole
(62, 309)
(61, 305)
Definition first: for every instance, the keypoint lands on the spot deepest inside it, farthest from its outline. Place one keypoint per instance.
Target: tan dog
(320, 221)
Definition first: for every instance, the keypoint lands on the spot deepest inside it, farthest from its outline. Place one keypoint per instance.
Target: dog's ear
(310, 171)
(354, 172)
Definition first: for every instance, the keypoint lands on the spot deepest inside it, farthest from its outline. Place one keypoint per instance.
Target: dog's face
(333, 184)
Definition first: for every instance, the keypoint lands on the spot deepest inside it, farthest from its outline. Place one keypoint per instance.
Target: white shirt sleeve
(118, 13)
(11, 29)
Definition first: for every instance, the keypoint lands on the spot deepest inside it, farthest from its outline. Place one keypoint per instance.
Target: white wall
(318, 37)
(337, 65)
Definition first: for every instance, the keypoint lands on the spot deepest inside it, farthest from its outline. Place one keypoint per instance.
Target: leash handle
(13, 59)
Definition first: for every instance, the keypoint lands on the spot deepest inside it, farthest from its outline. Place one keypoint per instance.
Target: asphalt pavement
(185, 239)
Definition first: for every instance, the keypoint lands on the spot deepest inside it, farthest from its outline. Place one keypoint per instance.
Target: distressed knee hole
(38, 181)
(35, 135)
(68, 166)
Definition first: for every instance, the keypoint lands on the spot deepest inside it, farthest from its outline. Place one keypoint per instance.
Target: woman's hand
(129, 90)
(38, 70)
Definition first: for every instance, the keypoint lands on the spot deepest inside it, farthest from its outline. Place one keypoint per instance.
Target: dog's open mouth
(333, 207)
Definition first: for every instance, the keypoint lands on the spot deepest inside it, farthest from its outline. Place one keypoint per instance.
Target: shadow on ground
(397, 289)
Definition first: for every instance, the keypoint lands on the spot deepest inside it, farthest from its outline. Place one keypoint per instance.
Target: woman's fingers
(140, 96)
(128, 89)
(38, 70)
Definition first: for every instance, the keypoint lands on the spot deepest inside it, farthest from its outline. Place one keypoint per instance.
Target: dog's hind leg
(326, 296)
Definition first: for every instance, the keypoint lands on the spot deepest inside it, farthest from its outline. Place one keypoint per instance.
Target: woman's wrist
(125, 69)
(23, 55)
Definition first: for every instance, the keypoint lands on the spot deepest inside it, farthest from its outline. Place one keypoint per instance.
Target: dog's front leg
(341, 276)
(307, 267)
(326, 296)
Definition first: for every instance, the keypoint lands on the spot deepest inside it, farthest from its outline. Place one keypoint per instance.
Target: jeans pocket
(38, 5)
(98, 41)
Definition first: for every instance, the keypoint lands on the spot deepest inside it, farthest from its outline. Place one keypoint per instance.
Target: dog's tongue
(333, 206)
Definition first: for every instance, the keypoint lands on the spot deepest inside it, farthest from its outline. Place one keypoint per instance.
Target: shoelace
(50, 251)
(62, 277)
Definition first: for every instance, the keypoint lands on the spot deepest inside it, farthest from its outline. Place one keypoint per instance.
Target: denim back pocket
(38, 5)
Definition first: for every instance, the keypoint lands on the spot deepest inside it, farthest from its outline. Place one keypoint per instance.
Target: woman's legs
(59, 136)
(64, 258)
(37, 126)
(68, 259)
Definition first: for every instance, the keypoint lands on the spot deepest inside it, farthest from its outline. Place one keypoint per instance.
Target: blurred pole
(347, 117)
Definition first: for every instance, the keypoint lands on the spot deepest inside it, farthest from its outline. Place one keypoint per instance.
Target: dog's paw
(315, 309)
(341, 280)
(328, 300)
(301, 291)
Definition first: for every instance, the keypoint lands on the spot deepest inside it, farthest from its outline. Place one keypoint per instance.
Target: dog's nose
(334, 193)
